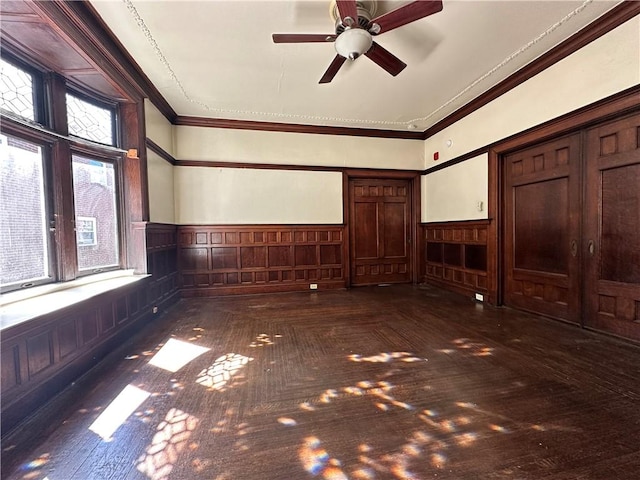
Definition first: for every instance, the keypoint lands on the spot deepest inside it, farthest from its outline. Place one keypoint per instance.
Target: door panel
(395, 223)
(542, 260)
(539, 229)
(380, 212)
(612, 228)
(366, 230)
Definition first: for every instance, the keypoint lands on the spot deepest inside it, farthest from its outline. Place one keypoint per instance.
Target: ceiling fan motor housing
(366, 11)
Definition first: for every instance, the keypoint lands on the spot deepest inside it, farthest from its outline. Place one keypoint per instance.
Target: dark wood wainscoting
(455, 256)
(222, 260)
(161, 248)
(44, 355)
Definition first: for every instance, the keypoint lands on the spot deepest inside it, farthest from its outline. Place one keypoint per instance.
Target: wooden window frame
(50, 131)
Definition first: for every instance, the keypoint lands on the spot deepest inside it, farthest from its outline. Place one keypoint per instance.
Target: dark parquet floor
(396, 382)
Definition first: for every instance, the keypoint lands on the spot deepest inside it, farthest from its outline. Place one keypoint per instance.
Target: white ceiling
(216, 58)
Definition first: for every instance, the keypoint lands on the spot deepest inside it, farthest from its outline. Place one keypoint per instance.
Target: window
(90, 121)
(86, 231)
(24, 246)
(95, 200)
(61, 194)
(16, 91)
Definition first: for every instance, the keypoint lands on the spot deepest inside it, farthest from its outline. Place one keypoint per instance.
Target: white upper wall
(260, 196)
(606, 66)
(159, 129)
(159, 171)
(161, 189)
(460, 191)
(206, 195)
(248, 146)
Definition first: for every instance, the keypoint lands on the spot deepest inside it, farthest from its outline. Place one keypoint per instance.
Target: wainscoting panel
(44, 355)
(222, 260)
(455, 255)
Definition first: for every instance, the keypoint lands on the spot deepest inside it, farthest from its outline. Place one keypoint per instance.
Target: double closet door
(572, 228)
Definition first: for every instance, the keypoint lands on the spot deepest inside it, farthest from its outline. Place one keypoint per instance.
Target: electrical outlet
(313, 286)
(479, 297)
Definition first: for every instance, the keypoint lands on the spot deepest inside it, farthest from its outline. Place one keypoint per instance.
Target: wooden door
(542, 231)
(612, 227)
(380, 220)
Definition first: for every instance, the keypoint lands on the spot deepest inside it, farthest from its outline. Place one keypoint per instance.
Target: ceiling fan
(355, 30)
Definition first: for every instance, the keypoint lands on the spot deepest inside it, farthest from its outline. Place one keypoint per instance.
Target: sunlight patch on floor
(33, 468)
(475, 348)
(175, 354)
(317, 461)
(127, 401)
(386, 357)
(263, 339)
(218, 375)
(169, 441)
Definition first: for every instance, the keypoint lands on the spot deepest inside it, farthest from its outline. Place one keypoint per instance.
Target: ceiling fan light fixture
(353, 42)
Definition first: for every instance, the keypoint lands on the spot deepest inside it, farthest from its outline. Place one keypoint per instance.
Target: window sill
(19, 307)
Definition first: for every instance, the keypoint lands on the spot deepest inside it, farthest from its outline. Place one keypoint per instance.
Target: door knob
(591, 247)
(574, 248)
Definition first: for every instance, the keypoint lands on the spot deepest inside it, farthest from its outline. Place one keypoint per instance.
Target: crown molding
(80, 21)
(599, 27)
(294, 128)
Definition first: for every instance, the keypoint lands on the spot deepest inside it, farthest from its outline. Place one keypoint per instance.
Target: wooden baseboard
(259, 289)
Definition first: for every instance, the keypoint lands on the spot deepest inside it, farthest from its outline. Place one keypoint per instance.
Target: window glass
(89, 121)
(94, 193)
(16, 91)
(23, 218)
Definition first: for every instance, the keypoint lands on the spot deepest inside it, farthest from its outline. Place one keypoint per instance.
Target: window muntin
(90, 121)
(17, 91)
(24, 246)
(96, 213)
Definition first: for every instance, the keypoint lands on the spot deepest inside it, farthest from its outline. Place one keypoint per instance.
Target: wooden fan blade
(407, 14)
(302, 37)
(348, 8)
(333, 69)
(385, 59)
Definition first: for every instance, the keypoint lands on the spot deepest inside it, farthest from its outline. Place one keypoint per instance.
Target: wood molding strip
(294, 128)
(257, 166)
(158, 150)
(363, 172)
(607, 22)
(454, 161)
(249, 227)
(461, 223)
